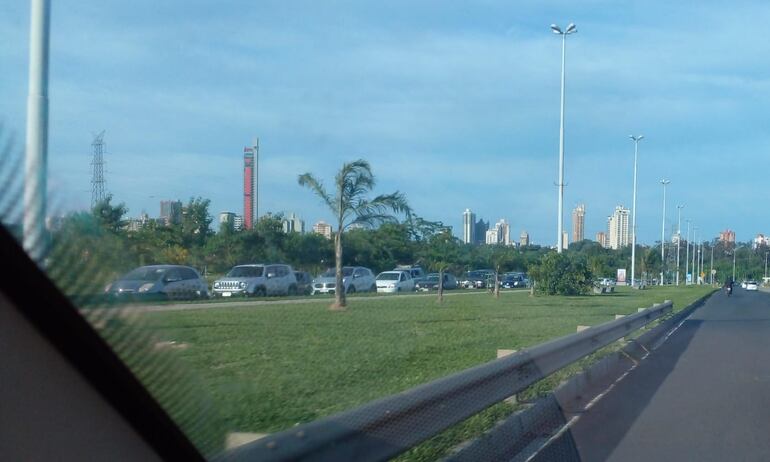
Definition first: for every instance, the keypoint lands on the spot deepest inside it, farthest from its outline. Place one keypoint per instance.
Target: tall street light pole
(636, 139)
(687, 256)
(571, 29)
(665, 183)
(694, 252)
(36, 157)
(678, 238)
(766, 265)
(735, 251)
(711, 265)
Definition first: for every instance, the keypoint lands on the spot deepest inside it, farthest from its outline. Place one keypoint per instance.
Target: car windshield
(160, 158)
(246, 272)
(388, 276)
(145, 274)
(331, 272)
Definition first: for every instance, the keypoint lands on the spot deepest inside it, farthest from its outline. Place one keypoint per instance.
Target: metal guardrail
(387, 427)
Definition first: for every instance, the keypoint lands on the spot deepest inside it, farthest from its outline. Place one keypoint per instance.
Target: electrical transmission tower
(97, 170)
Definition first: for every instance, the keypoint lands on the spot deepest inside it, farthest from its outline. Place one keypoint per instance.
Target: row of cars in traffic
(184, 282)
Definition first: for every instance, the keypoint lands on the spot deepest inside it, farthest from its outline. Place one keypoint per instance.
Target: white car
(752, 285)
(354, 278)
(394, 281)
(743, 284)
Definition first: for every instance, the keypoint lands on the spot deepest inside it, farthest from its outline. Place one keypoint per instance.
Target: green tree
(110, 217)
(441, 251)
(562, 274)
(350, 205)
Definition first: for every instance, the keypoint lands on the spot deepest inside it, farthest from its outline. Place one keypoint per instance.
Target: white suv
(256, 280)
(354, 278)
(395, 281)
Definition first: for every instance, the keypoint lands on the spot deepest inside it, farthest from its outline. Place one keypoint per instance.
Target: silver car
(354, 278)
(159, 282)
(256, 280)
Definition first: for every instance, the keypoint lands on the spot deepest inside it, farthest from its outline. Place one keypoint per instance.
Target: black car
(431, 282)
(304, 282)
(513, 280)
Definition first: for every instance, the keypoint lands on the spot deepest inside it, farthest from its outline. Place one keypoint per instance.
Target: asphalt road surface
(703, 395)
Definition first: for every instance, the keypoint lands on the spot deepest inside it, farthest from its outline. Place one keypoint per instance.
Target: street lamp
(571, 29)
(765, 266)
(665, 183)
(636, 139)
(694, 254)
(687, 256)
(36, 157)
(678, 238)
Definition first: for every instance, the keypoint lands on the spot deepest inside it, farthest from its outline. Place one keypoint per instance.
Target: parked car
(607, 282)
(476, 279)
(416, 272)
(752, 285)
(514, 281)
(354, 278)
(257, 280)
(395, 281)
(304, 282)
(431, 282)
(743, 284)
(159, 281)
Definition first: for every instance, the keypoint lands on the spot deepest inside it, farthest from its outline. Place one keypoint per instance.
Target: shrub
(562, 274)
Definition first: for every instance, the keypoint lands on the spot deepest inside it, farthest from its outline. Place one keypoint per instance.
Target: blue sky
(455, 105)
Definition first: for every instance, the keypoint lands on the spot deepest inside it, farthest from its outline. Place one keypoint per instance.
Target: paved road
(704, 395)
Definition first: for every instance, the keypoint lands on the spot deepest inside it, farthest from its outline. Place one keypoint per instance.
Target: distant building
(500, 234)
(578, 223)
(469, 227)
(54, 223)
(238, 223)
(227, 220)
(760, 241)
(293, 224)
(323, 229)
(524, 238)
(481, 228)
(171, 212)
(250, 160)
(617, 228)
(727, 236)
(135, 224)
(564, 240)
(601, 238)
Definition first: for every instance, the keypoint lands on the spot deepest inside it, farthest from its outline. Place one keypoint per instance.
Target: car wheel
(259, 292)
(292, 290)
(351, 289)
(373, 288)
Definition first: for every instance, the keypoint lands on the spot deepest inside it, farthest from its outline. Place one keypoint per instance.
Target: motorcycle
(729, 290)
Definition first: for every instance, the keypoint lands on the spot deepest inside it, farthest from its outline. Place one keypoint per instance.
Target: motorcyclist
(729, 287)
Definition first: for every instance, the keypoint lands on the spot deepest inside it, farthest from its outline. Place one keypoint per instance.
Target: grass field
(268, 368)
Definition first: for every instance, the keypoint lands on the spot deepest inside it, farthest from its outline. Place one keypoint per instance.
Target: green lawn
(270, 367)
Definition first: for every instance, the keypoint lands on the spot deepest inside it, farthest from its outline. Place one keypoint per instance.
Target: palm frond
(315, 185)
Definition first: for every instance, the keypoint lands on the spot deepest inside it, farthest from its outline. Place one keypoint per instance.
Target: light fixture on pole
(571, 29)
(636, 139)
(678, 238)
(665, 183)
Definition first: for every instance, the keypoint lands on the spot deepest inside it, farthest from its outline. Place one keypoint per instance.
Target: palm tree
(351, 207)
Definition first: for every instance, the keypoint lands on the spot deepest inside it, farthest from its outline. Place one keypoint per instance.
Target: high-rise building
(578, 223)
(727, 236)
(250, 185)
(323, 229)
(500, 234)
(481, 228)
(564, 240)
(293, 224)
(226, 221)
(524, 238)
(601, 238)
(617, 228)
(760, 241)
(469, 227)
(238, 222)
(171, 212)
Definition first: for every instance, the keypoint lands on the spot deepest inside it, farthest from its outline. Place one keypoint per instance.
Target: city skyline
(313, 117)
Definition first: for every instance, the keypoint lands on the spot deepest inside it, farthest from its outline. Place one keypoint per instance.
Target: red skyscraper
(249, 182)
